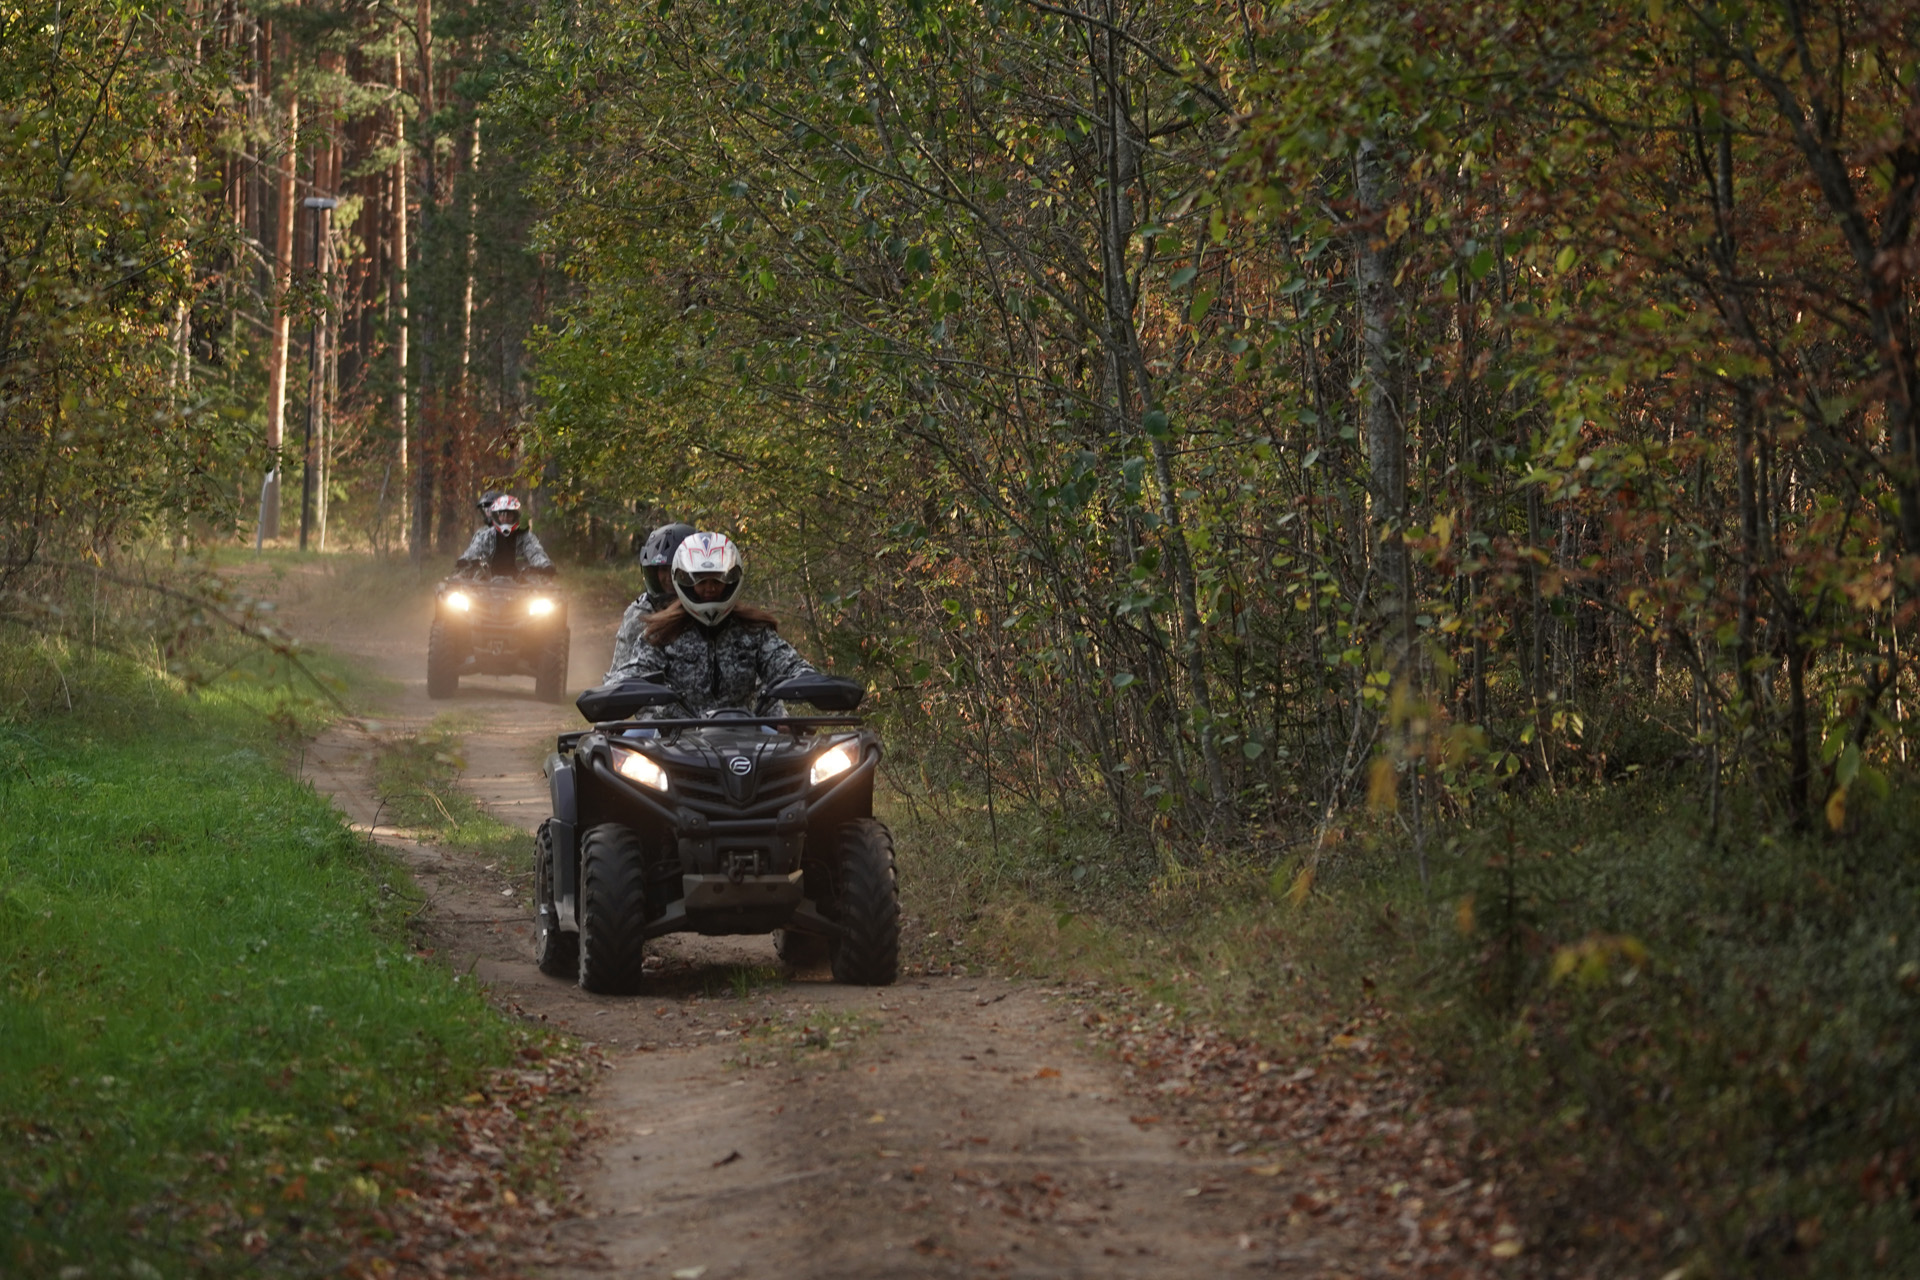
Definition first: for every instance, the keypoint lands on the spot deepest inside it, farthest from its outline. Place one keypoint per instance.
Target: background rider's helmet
(707, 557)
(656, 557)
(505, 512)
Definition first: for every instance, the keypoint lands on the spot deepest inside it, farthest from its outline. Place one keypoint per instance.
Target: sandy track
(753, 1127)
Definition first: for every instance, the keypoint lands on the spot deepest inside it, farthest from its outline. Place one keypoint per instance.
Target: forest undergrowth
(1683, 1049)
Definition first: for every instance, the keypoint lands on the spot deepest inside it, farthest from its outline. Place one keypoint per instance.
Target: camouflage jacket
(709, 667)
(632, 623)
(481, 554)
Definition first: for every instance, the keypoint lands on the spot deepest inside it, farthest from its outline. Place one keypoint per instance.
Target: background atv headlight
(539, 606)
(831, 763)
(459, 601)
(631, 764)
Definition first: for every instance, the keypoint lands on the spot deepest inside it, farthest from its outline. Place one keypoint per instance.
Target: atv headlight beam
(459, 601)
(539, 607)
(631, 764)
(831, 763)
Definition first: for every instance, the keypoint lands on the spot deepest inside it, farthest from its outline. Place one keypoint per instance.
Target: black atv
(498, 626)
(734, 822)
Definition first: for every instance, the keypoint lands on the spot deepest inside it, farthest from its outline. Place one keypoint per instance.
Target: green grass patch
(417, 780)
(1685, 1053)
(215, 1041)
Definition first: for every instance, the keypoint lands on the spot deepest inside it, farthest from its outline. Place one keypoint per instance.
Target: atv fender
(564, 829)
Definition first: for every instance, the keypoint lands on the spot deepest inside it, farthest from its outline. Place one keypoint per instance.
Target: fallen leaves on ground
(478, 1202)
(1344, 1123)
(455, 1211)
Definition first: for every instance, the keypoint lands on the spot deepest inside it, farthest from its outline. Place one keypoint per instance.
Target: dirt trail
(753, 1127)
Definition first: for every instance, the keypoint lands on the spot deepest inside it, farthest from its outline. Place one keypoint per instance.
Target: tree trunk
(281, 322)
(1386, 447)
(473, 249)
(431, 461)
(1123, 344)
(399, 301)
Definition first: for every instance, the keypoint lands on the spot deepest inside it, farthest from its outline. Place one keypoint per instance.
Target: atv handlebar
(712, 722)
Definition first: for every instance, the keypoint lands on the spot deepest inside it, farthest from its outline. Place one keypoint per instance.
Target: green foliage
(1028, 357)
(104, 432)
(212, 1028)
(1717, 1029)
(1681, 1051)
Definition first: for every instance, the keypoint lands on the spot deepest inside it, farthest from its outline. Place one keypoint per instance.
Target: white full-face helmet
(706, 576)
(505, 513)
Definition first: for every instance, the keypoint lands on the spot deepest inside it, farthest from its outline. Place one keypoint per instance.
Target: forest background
(1443, 474)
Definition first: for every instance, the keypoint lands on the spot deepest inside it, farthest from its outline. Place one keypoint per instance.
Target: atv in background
(735, 822)
(498, 626)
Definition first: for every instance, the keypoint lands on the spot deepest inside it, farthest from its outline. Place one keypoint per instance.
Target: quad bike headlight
(459, 601)
(631, 764)
(540, 607)
(831, 763)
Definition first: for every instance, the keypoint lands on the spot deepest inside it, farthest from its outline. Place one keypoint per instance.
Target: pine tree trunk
(398, 287)
(277, 351)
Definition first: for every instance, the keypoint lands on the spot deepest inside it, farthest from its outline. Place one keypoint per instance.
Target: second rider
(656, 564)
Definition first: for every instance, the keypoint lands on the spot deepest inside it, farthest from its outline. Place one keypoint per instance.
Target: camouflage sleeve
(480, 550)
(644, 661)
(536, 555)
(779, 660)
(624, 640)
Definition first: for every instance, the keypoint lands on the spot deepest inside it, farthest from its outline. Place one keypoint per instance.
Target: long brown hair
(664, 627)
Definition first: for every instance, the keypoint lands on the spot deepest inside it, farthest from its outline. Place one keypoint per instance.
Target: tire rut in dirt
(613, 914)
(444, 655)
(555, 951)
(867, 903)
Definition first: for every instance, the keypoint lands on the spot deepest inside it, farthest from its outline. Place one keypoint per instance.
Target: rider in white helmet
(506, 547)
(707, 646)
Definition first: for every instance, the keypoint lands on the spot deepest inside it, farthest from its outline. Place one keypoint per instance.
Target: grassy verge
(1690, 1056)
(218, 1053)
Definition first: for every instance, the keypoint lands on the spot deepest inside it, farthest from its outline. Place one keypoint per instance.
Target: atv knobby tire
(613, 916)
(556, 951)
(866, 902)
(444, 656)
(550, 676)
(799, 951)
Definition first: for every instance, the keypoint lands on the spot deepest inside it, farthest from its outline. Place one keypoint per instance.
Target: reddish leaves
(480, 1204)
(1350, 1112)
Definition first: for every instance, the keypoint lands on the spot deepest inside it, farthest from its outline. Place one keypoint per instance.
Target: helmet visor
(707, 588)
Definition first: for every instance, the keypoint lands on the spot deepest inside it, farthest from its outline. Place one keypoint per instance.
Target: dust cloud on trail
(754, 1125)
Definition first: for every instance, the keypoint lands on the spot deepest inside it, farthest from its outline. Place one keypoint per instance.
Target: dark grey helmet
(657, 555)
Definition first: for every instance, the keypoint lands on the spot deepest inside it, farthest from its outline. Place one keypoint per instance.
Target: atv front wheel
(866, 901)
(613, 916)
(444, 655)
(555, 950)
(550, 676)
